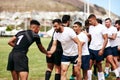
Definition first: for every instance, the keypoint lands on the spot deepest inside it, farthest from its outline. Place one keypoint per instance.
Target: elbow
(9, 43)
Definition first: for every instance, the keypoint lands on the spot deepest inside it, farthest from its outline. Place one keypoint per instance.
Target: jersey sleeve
(55, 36)
(83, 37)
(114, 31)
(37, 39)
(72, 34)
(104, 30)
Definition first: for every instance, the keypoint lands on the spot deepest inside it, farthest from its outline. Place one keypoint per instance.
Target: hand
(49, 55)
(101, 52)
(78, 60)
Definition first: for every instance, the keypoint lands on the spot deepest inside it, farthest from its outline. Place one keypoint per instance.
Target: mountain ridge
(50, 5)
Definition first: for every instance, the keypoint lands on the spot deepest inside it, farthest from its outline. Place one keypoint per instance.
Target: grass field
(37, 62)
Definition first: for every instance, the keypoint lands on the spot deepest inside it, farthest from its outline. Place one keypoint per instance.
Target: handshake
(49, 54)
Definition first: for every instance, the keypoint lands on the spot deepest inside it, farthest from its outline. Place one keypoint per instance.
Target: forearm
(104, 44)
(11, 44)
(52, 50)
(43, 51)
(79, 50)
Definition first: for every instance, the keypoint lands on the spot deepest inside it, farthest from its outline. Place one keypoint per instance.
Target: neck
(65, 25)
(78, 32)
(62, 29)
(96, 23)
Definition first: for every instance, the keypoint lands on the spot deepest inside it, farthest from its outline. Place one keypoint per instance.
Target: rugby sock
(116, 72)
(107, 70)
(118, 69)
(57, 76)
(47, 75)
(89, 74)
(95, 69)
(101, 76)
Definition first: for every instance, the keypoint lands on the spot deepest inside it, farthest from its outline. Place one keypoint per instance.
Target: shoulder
(82, 35)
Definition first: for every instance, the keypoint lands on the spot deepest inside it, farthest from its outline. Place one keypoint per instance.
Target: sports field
(37, 62)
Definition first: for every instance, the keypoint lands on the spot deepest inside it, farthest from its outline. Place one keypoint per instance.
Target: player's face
(107, 23)
(92, 21)
(117, 26)
(76, 28)
(57, 27)
(35, 28)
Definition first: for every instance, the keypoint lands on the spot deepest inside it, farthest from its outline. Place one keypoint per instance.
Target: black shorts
(18, 61)
(95, 56)
(55, 58)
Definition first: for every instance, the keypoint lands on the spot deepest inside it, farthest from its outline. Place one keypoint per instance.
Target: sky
(115, 5)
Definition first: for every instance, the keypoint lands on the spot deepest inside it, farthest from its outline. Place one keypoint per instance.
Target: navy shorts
(85, 62)
(69, 59)
(55, 58)
(18, 61)
(107, 51)
(115, 51)
(94, 55)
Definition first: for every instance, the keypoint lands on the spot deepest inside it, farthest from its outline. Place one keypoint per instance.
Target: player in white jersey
(117, 25)
(85, 53)
(112, 34)
(97, 46)
(72, 48)
(110, 31)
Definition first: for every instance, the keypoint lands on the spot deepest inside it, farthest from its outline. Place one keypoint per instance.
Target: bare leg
(64, 68)
(48, 71)
(23, 75)
(85, 76)
(15, 75)
(57, 72)
(77, 72)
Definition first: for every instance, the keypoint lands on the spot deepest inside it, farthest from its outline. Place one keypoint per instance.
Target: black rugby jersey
(24, 39)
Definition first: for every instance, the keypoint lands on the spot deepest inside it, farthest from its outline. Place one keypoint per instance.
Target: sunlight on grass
(37, 62)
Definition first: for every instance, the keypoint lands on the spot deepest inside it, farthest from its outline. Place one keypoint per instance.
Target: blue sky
(115, 5)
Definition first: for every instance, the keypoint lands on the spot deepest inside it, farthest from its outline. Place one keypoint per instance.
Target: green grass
(37, 62)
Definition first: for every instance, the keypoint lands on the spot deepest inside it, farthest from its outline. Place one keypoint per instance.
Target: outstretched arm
(53, 48)
(41, 48)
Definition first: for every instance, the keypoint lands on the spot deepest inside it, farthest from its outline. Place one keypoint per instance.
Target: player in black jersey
(18, 60)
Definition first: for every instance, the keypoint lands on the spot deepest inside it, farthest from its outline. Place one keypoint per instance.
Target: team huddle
(83, 47)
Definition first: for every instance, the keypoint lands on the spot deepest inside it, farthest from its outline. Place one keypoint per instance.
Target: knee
(63, 70)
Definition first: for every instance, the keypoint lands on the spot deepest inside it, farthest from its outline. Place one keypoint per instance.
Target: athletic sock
(95, 69)
(57, 76)
(107, 70)
(101, 76)
(116, 72)
(89, 74)
(47, 75)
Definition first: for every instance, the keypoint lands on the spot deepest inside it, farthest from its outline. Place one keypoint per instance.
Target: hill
(50, 5)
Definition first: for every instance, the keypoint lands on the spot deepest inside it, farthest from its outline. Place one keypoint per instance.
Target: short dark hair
(108, 19)
(91, 16)
(99, 21)
(117, 22)
(34, 22)
(57, 20)
(87, 22)
(78, 23)
(65, 18)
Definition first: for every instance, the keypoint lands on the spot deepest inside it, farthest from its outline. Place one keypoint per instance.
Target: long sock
(57, 76)
(116, 72)
(47, 75)
(107, 70)
(89, 73)
(95, 69)
(101, 76)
